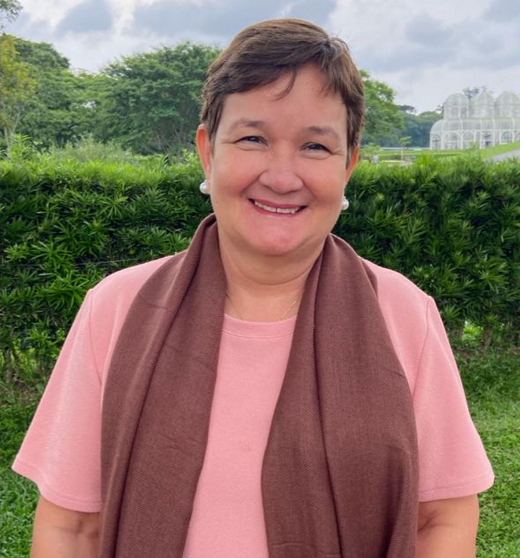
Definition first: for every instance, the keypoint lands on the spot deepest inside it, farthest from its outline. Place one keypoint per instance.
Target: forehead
(305, 101)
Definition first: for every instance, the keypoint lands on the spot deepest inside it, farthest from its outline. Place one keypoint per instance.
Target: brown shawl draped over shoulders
(339, 475)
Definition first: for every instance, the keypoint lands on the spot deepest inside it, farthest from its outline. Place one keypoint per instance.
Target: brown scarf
(339, 475)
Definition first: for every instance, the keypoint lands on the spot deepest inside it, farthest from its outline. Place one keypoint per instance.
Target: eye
(252, 139)
(317, 147)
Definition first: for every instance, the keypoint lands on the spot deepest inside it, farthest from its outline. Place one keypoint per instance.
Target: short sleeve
(452, 460)
(61, 450)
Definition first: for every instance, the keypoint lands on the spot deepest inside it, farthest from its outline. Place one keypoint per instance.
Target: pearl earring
(344, 204)
(204, 187)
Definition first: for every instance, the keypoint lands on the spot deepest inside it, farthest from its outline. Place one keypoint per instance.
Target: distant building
(482, 120)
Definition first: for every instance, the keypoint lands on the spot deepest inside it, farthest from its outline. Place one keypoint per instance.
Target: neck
(264, 289)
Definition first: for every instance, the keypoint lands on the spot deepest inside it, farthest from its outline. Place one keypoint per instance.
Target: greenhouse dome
(481, 121)
(507, 105)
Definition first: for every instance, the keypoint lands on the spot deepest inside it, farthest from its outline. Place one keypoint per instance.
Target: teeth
(276, 209)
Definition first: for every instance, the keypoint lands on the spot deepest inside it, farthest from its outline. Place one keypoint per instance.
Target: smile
(282, 210)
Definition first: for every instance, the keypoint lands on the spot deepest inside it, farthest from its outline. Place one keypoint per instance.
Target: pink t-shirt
(61, 451)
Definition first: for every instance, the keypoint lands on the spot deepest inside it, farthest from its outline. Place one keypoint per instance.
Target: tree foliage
(471, 92)
(151, 101)
(16, 87)
(418, 127)
(55, 113)
(9, 10)
(415, 126)
(148, 102)
(383, 116)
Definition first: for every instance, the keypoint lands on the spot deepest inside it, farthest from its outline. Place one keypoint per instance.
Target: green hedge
(449, 225)
(452, 227)
(67, 224)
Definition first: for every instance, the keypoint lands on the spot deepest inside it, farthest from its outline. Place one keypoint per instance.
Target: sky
(424, 49)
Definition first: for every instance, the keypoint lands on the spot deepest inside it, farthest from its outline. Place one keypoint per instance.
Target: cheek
(235, 174)
(327, 180)
(330, 192)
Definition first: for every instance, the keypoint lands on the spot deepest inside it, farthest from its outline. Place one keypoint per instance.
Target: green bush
(449, 225)
(66, 224)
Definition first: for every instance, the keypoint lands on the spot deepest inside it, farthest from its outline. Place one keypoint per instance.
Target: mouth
(278, 209)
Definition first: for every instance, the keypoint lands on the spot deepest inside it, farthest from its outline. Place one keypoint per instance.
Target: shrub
(450, 225)
(66, 224)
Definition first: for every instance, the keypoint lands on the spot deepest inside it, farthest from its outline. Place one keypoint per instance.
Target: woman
(267, 392)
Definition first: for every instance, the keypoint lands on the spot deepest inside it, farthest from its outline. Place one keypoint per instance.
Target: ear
(352, 164)
(204, 149)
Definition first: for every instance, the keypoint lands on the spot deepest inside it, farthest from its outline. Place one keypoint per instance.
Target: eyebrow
(246, 123)
(324, 131)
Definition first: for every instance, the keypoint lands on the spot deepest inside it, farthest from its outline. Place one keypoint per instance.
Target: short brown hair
(262, 53)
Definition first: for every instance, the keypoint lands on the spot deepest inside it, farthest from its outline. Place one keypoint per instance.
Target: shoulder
(117, 291)
(125, 284)
(396, 289)
(407, 311)
(108, 304)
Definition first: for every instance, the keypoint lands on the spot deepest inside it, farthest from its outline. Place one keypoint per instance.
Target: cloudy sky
(424, 49)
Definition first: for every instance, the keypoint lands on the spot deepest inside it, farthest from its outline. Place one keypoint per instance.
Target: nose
(280, 175)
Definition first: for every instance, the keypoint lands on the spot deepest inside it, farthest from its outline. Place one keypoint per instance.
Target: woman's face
(277, 170)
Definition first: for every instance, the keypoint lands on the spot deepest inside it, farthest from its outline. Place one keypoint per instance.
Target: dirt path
(508, 155)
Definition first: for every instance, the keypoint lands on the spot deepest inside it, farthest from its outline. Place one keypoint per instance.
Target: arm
(448, 528)
(62, 533)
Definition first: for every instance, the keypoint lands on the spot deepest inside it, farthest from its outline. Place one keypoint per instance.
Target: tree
(56, 112)
(471, 92)
(150, 101)
(16, 87)
(404, 142)
(383, 117)
(86, 101)
(407, 108)
(418, 126)
(9, 10)
(41, 55)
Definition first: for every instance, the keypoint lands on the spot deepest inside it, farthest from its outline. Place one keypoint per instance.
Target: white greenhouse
(482, 120)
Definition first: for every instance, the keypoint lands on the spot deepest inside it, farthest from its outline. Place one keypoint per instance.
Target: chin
(277, 248)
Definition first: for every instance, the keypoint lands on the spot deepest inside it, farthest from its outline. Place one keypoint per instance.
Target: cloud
(428, 31)
(424, 42)
(409, 57)
(25, 26)
(90, 16)
(485, 44)
(503, 10)
(428, 50)
(424, 50)
(317, 12)
(420, 41)
(223, 18)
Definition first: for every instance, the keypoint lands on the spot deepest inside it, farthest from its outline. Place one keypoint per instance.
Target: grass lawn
(499, 149)
(492, 381)
(397, 155)
(17, 495)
